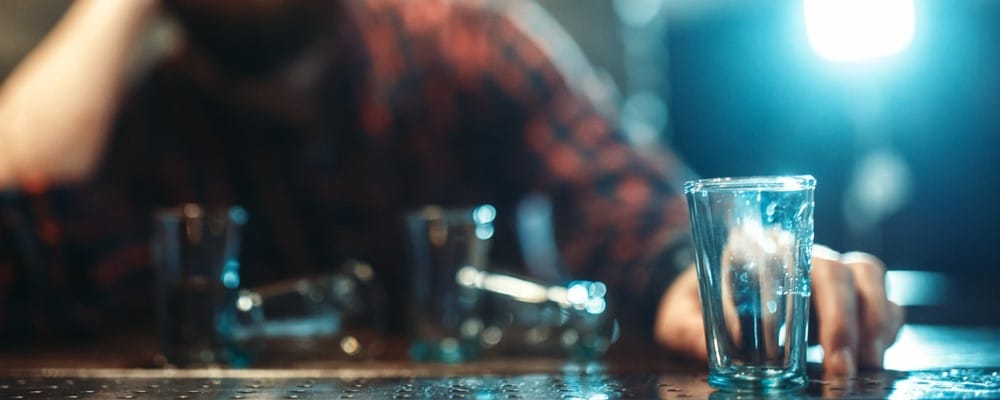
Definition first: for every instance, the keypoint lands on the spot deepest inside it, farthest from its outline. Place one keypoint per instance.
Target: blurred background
(891, 106)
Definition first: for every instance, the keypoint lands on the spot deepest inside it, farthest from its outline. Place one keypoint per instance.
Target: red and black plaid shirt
(419, 103)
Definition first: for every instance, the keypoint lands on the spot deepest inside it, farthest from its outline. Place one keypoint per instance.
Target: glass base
(757, 380)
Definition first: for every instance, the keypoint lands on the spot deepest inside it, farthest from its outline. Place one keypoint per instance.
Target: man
(327, 120)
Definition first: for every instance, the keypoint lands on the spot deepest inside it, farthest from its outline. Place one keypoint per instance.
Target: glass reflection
(529, 316)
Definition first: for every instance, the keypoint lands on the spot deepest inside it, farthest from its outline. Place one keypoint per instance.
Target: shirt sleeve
(617, 213)
(73, 258)
(617, 216)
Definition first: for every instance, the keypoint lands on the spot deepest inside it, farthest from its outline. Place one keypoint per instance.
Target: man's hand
(856, 320)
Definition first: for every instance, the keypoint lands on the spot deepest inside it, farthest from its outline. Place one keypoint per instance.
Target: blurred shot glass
(530, 318)
(753, 237)
(337, 315)
(446, 317)
(539, 309)
(196, 258)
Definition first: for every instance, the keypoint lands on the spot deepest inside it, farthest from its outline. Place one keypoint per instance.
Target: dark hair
(246, 41)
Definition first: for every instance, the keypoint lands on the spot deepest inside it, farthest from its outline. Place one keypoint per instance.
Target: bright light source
(484, 214)
(854, 30)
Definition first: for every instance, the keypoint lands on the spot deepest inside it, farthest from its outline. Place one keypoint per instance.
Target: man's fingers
(679, 325)
(897, 316)
(835, 299)
(855, 320)
(875, 321)
(823, 252)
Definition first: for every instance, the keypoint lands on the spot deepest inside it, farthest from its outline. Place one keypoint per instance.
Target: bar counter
(927, 361)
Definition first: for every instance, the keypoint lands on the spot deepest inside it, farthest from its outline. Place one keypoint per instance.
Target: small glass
(196, 257)
(529, 318)
(338, 315)
(446, 317)
(753, 239)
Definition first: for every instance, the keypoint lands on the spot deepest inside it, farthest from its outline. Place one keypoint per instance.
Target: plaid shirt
(417, 103)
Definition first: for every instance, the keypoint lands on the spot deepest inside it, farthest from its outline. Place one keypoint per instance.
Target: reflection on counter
(581, 383)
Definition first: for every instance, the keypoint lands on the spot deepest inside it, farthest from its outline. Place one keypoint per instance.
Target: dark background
(749, 97)
(745, 94)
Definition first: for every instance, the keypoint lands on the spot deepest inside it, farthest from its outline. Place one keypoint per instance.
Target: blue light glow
(484, 214)
(238, 215)
(231, 279)
(596, 305)
(577, 294)
(597, 289)
(855, 30)
(484, 232)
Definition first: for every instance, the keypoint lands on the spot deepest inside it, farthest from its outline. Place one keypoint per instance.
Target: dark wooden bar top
(927, 361)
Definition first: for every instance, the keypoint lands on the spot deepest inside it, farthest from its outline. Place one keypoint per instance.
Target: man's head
(253, 37)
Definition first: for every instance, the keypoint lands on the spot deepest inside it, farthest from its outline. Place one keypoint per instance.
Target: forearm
(58, 104)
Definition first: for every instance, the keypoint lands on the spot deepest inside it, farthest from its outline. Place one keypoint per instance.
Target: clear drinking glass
(447, 317)
(196, 257)
(338, 315)
(462, 308)
(753, 239)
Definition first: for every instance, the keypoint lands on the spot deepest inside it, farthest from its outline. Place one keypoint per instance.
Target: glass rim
(480, 214)
(777, 183)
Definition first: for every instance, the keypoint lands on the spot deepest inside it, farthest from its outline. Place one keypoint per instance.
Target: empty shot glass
(446, 317)
(196, 257)
(527, 317)
(753, 239)
(337, 315)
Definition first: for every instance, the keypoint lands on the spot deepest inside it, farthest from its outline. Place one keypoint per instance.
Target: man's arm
(620, 219)
(57, 106)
